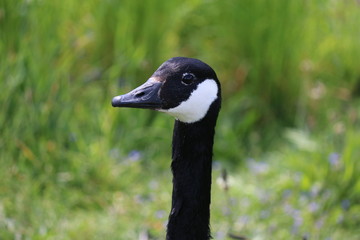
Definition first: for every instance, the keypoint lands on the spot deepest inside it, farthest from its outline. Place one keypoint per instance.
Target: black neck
(191, 167)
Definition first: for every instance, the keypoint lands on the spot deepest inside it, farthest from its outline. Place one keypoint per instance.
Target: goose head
(185, 88)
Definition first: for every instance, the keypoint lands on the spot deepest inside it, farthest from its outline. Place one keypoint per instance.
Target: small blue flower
(258, 167)
(160, 214)
(334, 160)
(220, 235)
(313, 207)
(134, 156)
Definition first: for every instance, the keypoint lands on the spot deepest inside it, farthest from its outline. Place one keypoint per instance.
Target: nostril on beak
(139, 94)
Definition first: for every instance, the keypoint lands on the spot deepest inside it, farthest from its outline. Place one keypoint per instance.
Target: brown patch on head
(156, 79)
(168, 69)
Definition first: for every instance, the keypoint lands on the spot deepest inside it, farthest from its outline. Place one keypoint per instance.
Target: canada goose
(189, 90)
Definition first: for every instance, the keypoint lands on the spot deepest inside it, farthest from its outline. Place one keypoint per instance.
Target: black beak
(144, 96)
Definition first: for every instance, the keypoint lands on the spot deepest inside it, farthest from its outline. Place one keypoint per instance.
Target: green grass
(73, 167)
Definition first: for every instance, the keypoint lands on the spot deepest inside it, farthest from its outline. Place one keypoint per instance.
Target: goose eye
(188, 78)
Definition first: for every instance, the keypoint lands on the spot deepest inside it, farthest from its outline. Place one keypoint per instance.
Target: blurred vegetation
(72, 167)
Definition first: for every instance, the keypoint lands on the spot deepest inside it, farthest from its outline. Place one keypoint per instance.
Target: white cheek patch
(197, 105)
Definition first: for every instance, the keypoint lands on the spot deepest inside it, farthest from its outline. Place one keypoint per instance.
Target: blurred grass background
(72, 167)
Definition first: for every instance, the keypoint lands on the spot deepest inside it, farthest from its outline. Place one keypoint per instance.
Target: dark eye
(188, 78)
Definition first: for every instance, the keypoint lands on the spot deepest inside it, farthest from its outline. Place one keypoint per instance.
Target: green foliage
(72, 167)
